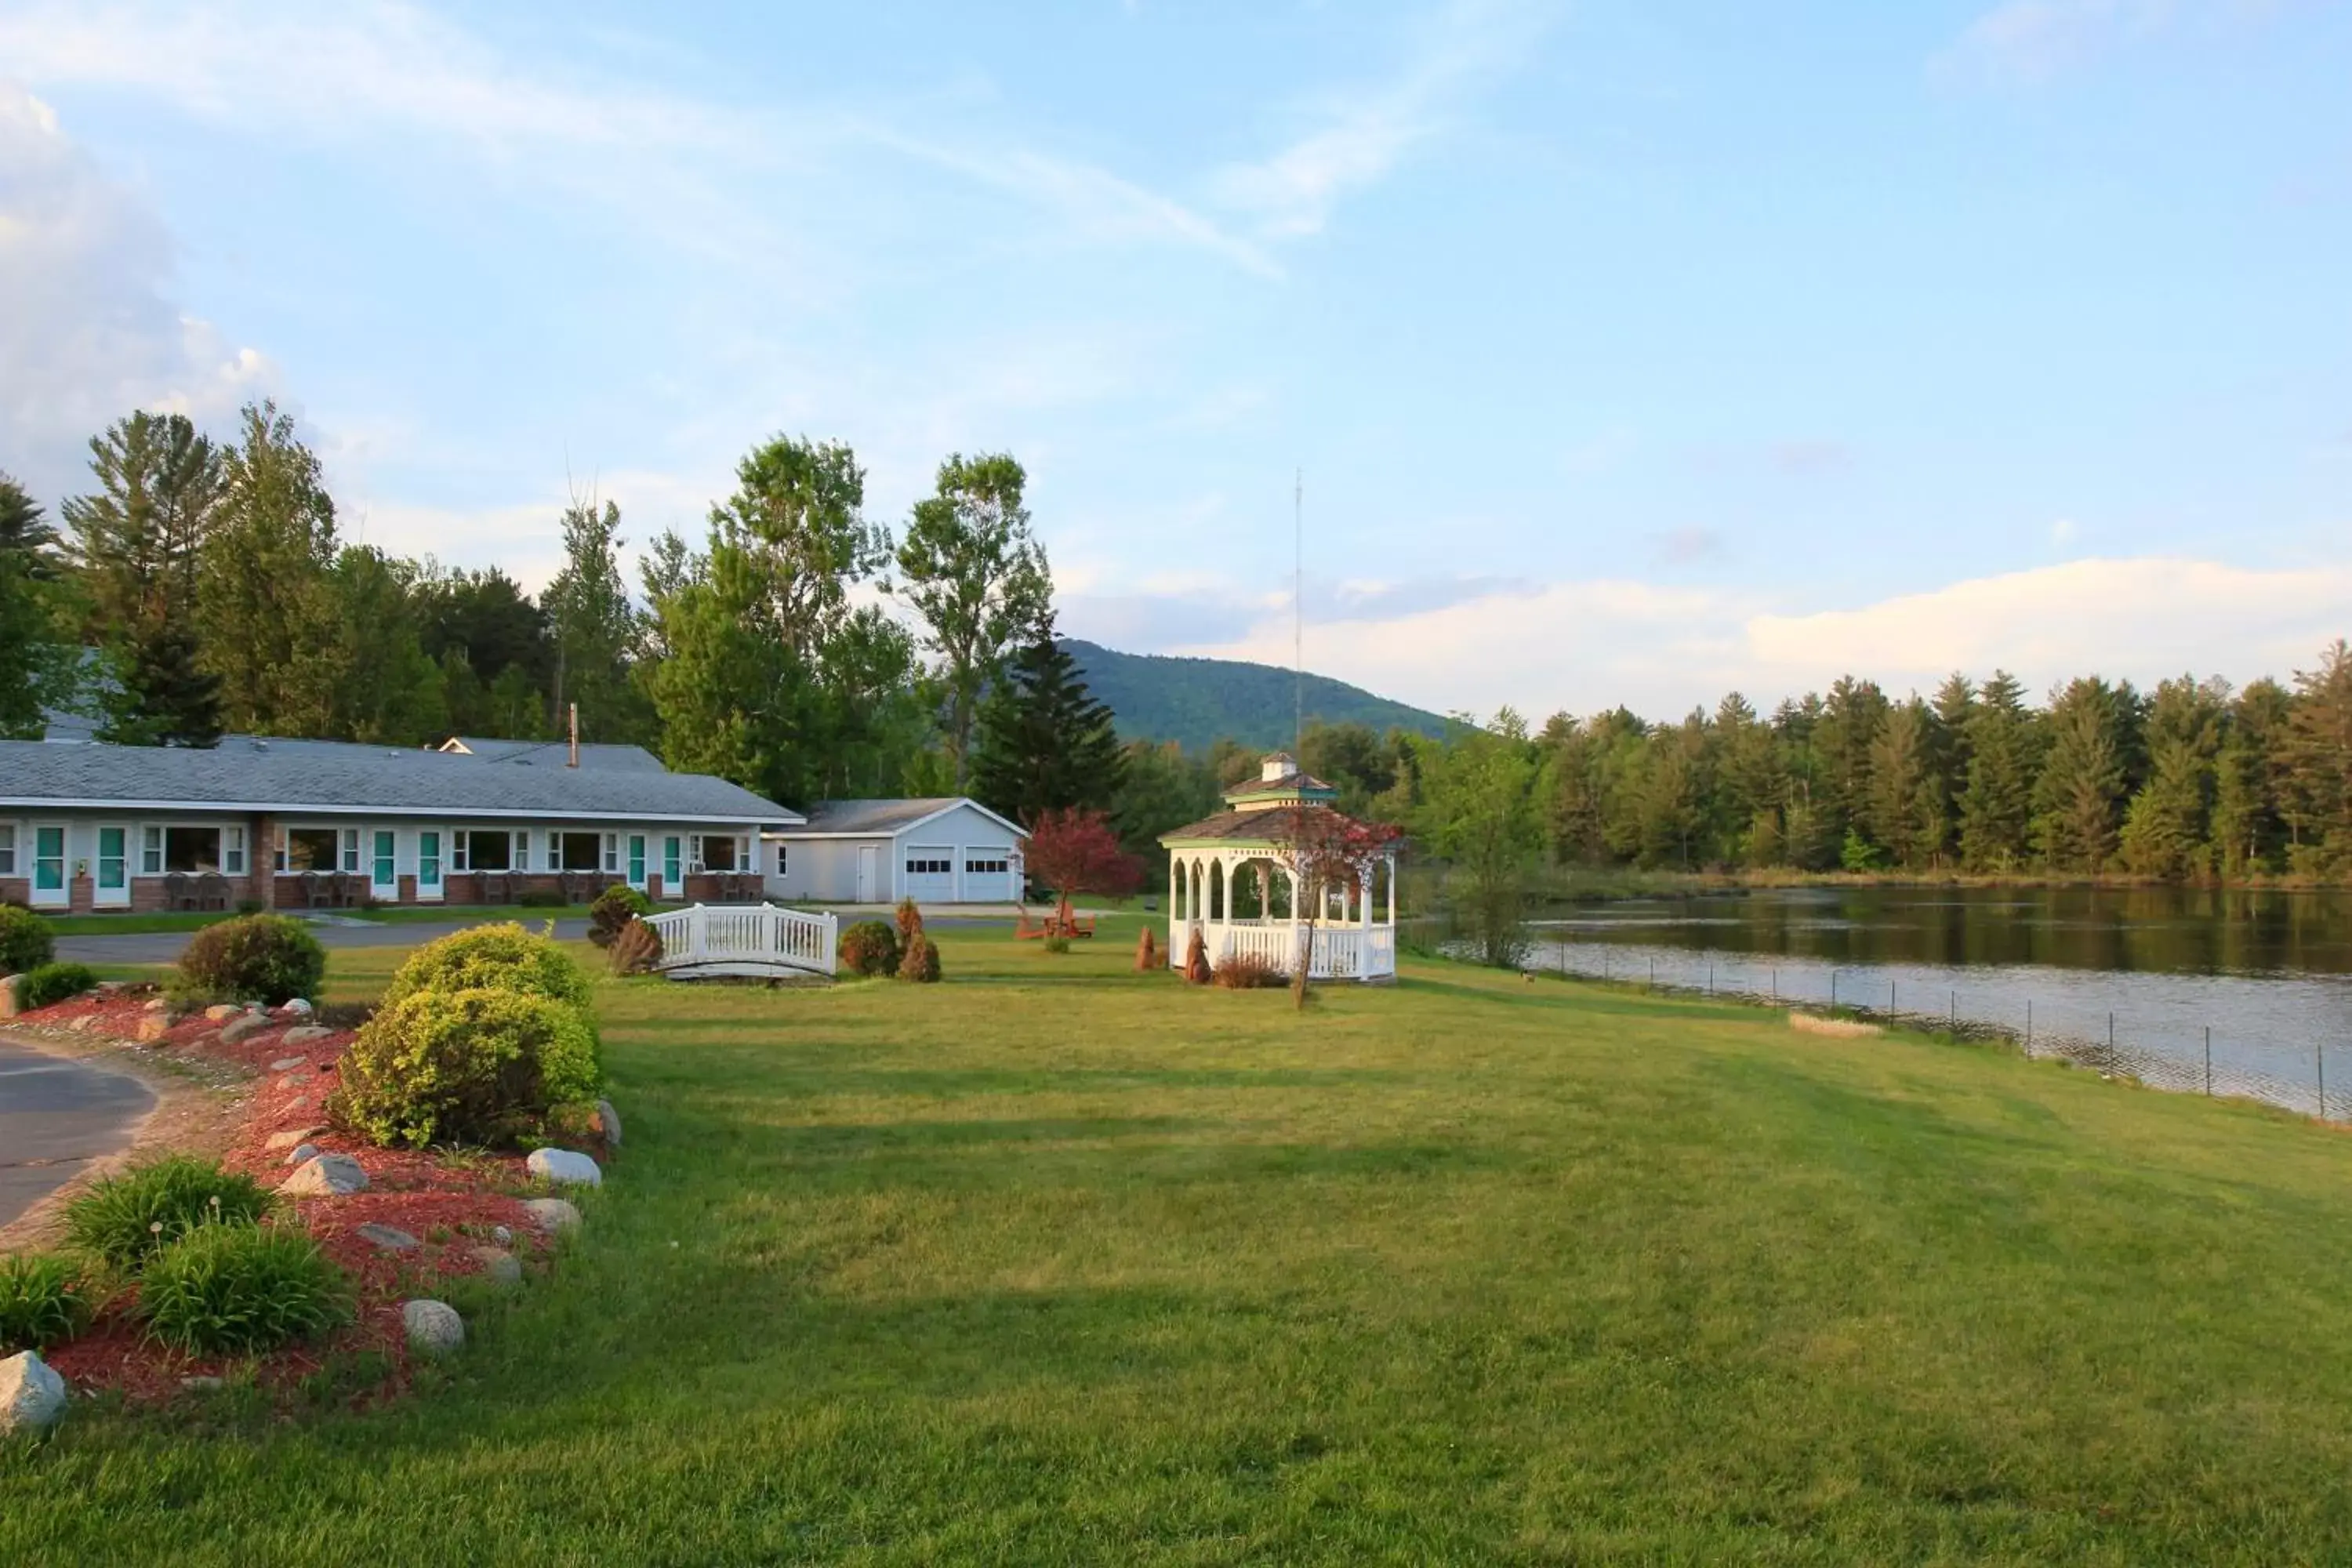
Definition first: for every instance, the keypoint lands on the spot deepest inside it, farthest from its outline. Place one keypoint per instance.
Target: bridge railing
(760, 936)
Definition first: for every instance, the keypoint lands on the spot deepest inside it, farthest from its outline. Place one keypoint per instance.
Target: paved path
(56, 1116)
(163, 946)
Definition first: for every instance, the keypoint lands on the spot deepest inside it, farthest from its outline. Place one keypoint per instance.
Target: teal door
(113, 869)
(428, 864)
(49, 867)
(638, 861)
(383, 864)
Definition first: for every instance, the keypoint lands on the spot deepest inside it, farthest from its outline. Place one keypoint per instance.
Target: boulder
(551, 1214)
(390, 1238)
(608, 1122)
(222, 1012)
(433, 1328)
(290, 1137)
(152, 1029)
(326, 1175)
(287, 1064)
(157, 1005)
(303, 1034)
(500, 1267)
(302, 1155)
(9, 983)
(32, 1397)
(83, 1025)
(502, 1235)
(564, 1167)
(243, 1027)
(296, 1007)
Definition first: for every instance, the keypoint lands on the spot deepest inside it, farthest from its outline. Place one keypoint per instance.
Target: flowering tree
(1322, 850)
(1077, 851)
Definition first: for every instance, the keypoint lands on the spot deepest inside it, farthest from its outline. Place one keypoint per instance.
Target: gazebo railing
(1342, 952)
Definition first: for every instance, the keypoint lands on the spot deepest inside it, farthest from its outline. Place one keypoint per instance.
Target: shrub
(615, 908)
(636, 950)
(920, 961)
(184, 998)
(478, 1066)
(1146, 953)
(25, 941)
(541, 898)
(870, 948)
(266, 957)
(43, 1300)
(126, 1218)
(498, 957)
(1196, 960)
(1248, 972)
(236, 1288)
(910, 920)
(54, 982)
(1057, 944)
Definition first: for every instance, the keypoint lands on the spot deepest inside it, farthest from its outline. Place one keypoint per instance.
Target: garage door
(988, 875)
(928, 875)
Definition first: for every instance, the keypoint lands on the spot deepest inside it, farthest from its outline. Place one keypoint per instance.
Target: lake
(2128, 979)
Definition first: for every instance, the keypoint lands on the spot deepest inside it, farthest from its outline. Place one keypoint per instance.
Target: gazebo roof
(1263, 829)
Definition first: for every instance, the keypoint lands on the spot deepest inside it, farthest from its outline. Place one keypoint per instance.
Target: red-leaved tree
(1077, 851)
(1325, 850)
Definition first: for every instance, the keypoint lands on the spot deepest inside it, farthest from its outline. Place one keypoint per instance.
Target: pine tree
(2318, 752)
(264, 604)
(1849, 727)
(592, 627)
(1900, 770)
(164, 698)
(2079, 796)
(2248, 832)
(36, 659)
(1997, 802)
(2164, 827)
(1045, 744)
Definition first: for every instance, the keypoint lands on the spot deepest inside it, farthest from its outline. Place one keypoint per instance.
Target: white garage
(939, 850)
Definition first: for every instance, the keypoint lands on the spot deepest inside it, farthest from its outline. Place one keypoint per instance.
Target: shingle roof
(879, 817)
(1268, 825)
(543, 754)
(329, 776)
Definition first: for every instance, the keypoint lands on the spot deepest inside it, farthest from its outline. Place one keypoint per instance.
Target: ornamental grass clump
(502, 957)
(125, 1219)
(266, 958)
(635, 950)
(1248, 972)
(615, 908)
(54, 982)
(478, 1066)
(870, 948)
(25, 941)
(234, 1289)
(44, 1300)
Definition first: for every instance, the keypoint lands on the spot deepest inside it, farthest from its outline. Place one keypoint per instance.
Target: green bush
(1056, 945)
(25, 941)
(267, 958)
(55, 982)
(126, 1218)
(869, 948)
(237, 1289)
(543, 898)
(499, 957)
(615, 908)
(478, 1066)
(43, 1300)
(920, 961)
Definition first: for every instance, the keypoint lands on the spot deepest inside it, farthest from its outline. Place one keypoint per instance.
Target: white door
(869, 867)
(931, 873)
(49, 890)
(111, 888)
(988, 874)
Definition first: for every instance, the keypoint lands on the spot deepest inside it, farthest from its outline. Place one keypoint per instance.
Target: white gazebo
(1234, 880)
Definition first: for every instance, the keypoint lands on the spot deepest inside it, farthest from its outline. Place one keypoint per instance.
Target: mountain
(1198, 701)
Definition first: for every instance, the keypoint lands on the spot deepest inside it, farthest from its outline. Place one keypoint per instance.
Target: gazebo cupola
(1233, 880)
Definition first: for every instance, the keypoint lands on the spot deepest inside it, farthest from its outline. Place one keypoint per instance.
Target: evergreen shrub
(25, 941)
(54, 982)
(498, 957)
(267, 958)
(474, 1066)
(920, 961)
(870, 948)
(615, 908)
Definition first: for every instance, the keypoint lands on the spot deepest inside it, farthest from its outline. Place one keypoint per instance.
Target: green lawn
(1059, 1264)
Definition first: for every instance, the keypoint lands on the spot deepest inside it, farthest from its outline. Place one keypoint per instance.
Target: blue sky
(1631, 351)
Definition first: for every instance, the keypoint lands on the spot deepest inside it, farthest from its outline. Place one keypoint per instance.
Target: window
(718, 853)
(8, 849)
(308, 850)
(611, 852)
(990, 863)
(150, 852)
(576, 851)
(478, 850)
(351, 849)
(783, 859)
(931, 863)
(162, 849)
(233, 851)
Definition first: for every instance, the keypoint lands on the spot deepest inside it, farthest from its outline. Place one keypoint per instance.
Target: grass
(1056, 1263)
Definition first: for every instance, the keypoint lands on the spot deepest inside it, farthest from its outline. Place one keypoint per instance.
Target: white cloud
(2030, 40)
(90, 330)
(1585, 645)
(1363, 131)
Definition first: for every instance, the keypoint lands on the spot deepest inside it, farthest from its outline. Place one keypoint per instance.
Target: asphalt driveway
(56, 1117)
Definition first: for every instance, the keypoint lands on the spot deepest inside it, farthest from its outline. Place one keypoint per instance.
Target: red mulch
(449, 1206)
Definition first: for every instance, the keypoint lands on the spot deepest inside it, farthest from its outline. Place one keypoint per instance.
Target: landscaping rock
(222, 1012)
(152, 1029)
(83, 1025)
(9, 983)
(433, 1328)
(157, 1005)
(287, 1064)
(32, 1397)
(562, 1165)
(326, 1175)
(302, 1155)
(303, 1034)
(242, 1026)
(502, 1235)
(551, 1214)
(500, 1267)
(392, 1238)
(296, 1008)
(200, 1382)
(608, 1122)
(290, 1137)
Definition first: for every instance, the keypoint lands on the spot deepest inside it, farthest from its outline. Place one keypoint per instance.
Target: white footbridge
(756, 942)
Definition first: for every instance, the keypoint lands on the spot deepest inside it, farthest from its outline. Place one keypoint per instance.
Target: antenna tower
(1298, 617)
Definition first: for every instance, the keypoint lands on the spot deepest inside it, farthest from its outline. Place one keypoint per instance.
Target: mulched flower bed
(450, 1203)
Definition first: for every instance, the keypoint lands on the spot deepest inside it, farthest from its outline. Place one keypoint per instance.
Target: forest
(200, 584)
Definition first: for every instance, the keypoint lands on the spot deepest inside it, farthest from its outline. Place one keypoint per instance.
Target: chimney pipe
(575, 736)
